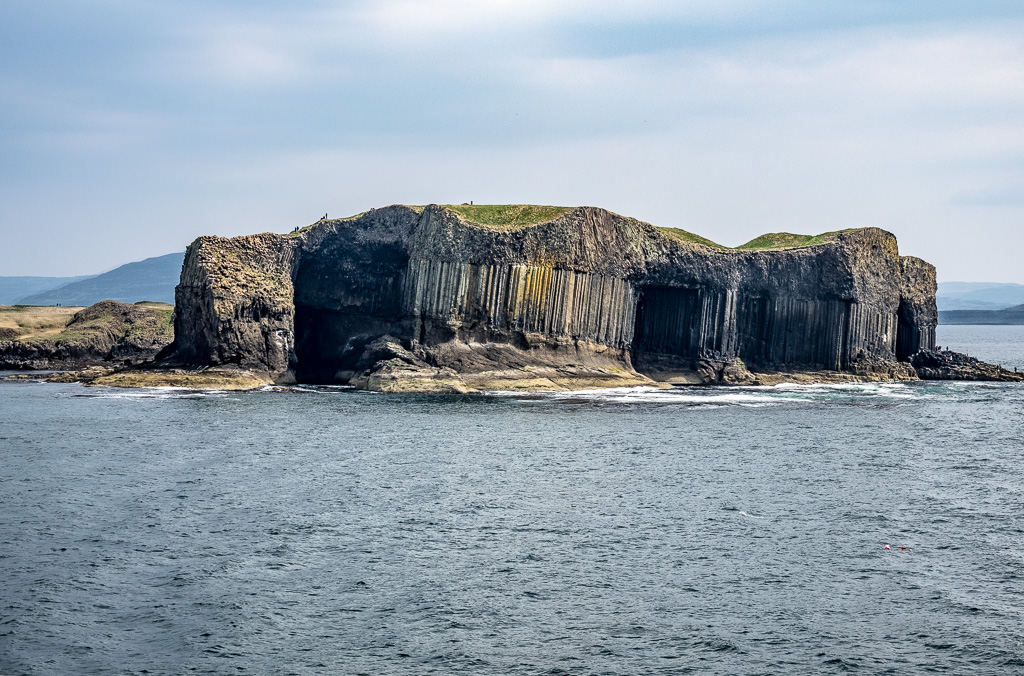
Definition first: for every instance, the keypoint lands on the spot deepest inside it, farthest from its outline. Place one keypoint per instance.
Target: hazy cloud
(730, 118)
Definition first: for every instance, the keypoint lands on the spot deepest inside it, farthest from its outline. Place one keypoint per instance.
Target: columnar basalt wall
(588, 287)
(520, 299)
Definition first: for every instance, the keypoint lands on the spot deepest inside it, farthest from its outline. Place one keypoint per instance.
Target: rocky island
(464, 298)
(85, 342)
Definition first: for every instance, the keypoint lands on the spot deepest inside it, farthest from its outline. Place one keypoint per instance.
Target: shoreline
(528, 380)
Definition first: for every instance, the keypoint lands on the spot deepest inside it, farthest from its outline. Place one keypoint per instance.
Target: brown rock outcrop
(108, 332)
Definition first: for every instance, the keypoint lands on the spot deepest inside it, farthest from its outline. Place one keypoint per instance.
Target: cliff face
(235, 303)
(589, 290)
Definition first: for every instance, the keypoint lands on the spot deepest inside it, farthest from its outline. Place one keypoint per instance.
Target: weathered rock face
(235, 303)
(588, 290)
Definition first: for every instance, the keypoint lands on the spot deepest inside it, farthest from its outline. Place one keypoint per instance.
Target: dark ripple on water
(625, 532)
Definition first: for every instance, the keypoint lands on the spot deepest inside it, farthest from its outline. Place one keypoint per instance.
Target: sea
(866, 529)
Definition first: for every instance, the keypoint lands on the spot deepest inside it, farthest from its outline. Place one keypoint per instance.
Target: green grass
(21, 321)
(512, 216)
(685, 236)
(160, 322)
(297, 231)
(50, 325)
(507, 215)
(787, 240)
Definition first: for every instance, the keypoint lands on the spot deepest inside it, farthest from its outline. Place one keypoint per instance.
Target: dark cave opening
(666, 327)
(346, 298)
(329, 343)
(908, 337)
(753, 318)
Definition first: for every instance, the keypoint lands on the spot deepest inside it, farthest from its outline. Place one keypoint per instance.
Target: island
(468, 298)
(465, 298)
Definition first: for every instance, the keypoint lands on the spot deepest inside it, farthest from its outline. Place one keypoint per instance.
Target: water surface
(639, 531)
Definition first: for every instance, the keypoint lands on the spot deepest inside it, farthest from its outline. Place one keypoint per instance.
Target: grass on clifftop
(32, 323)
(297, 230)
(514, 216)
(507, 215)
(686, 236)
(494, 215)
(787, 240)
(29, 321)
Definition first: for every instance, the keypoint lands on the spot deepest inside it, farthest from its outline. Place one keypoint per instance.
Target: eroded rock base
(202, 379)
(388, 366)
(949, 365)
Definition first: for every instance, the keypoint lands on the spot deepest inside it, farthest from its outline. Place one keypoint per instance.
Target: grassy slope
(507, 215)
(157, 323)
(686, 236)
(32, 324)
(30, 321)
(523, 215)
(297, 231)
(787, 240)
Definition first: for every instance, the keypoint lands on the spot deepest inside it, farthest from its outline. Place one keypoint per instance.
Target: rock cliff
(425, 298)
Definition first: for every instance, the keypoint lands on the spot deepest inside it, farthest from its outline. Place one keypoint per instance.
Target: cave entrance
(753, 318)
(908, 337)
(666, 327)
(346, 296)
(329, 343)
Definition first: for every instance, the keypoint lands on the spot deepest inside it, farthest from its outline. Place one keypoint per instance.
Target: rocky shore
(392, 368)
(949, 365)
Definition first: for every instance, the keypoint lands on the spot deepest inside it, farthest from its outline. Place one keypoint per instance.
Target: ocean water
(704, 531)
(1003, 345)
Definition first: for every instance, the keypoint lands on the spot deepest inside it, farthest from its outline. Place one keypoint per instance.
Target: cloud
(728, 118)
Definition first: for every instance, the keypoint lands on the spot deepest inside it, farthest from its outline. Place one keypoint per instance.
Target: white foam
(892, 390)
(152, 393)
(642, 394)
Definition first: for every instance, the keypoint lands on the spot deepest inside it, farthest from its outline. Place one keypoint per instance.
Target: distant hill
(13, 289)
(978, 295)
(1010, 315)
(151, 279)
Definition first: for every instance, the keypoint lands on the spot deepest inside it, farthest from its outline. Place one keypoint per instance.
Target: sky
(130, 127)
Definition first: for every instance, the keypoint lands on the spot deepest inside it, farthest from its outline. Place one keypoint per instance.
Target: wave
(654, 395)
(747, 396)
(150, 393)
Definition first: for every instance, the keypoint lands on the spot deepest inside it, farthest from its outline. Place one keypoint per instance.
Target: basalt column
(516, 304)
(234, 303)
(586, 288)
(918, 314)
(668, 324)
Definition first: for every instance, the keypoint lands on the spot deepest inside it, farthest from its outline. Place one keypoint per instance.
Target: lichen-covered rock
(235, 302)
(588, 292)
